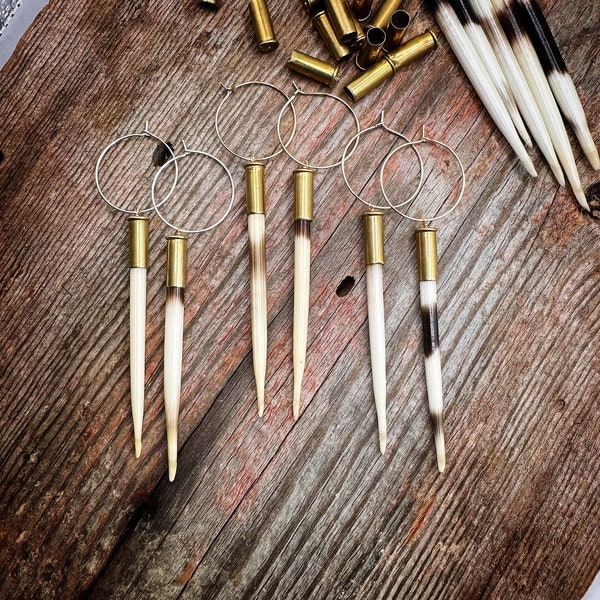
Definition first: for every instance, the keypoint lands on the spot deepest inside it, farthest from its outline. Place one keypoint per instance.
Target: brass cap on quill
(427, 253)
(176, 260)
(373, 232)
(255, 187)
(303, 193)
(138, 241)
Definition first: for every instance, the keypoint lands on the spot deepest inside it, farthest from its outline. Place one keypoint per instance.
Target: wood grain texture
(269, 508)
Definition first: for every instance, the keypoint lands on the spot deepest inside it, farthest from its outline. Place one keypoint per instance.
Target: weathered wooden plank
(270, 508)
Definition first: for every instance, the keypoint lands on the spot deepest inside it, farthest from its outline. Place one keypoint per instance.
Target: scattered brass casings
(322, 23)
(314, 68)
(176, 260)
(372, 49)
(373, 228)
(362, 9)
(342, 19)
(262, 26)
(427, 253)
(385, 68)
(396, 29)
(384, 14)
(138, 241)
(255, 187)
(303, 193)
(212, 4)
(312, 7)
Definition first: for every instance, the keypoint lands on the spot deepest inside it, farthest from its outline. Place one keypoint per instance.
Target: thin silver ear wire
(381, 124)
(290, 102)
(174, 308)
(156, 205)
(424, 139)
(229, 91)
(144, 133)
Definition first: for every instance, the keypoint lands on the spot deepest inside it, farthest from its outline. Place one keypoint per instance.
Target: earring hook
(146, 133)
(396, 207)
(299, 92)
(229, 92)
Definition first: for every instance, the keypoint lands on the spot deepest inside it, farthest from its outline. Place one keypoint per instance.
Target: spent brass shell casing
(427, 253)
(314, 68)
(342, 19)
(396, 29)
(312, 7)
(385, 12)
(303, 193)
(265, 36)
(255, 187)
(322, 23)
(386, 67)
(138, 241)
(362, 9)
(373, 228)
(372, 49)
(176, 260)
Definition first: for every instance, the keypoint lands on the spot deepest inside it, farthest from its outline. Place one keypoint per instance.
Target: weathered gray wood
(271, 508)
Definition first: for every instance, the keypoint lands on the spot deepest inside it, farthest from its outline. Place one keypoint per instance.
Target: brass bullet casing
(384, 14)
(396, 29)
(413, 49)
(303, 193)
(342, 20)
(362, 9)
(322, 23)
(212, 4)
(372, 49)
(176, 260)
(359, 40)
(255, 187)
(385, 68)
(312, 7)
(373, 231)
(314, 68)
(427, 253)
(262, 26)
(369, 80)
(138, 241)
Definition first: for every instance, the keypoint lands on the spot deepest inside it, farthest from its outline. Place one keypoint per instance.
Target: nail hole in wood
(593, 196)
(161, 154)
(1, 156)
(345, 286)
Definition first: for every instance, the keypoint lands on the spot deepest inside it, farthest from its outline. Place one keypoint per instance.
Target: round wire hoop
(290, 102)
(188, 152)
(229, 92)
(345, 157)
(395, 207)
(147, 134)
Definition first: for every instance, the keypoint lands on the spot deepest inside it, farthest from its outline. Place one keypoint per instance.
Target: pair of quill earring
(175, 282)
(426, 245)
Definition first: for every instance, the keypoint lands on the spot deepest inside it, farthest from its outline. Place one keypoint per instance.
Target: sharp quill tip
(580, 196)
(138, 447)
(382, 441)
(172, 469)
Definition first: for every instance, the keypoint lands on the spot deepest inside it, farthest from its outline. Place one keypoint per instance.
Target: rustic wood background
(272, 508)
